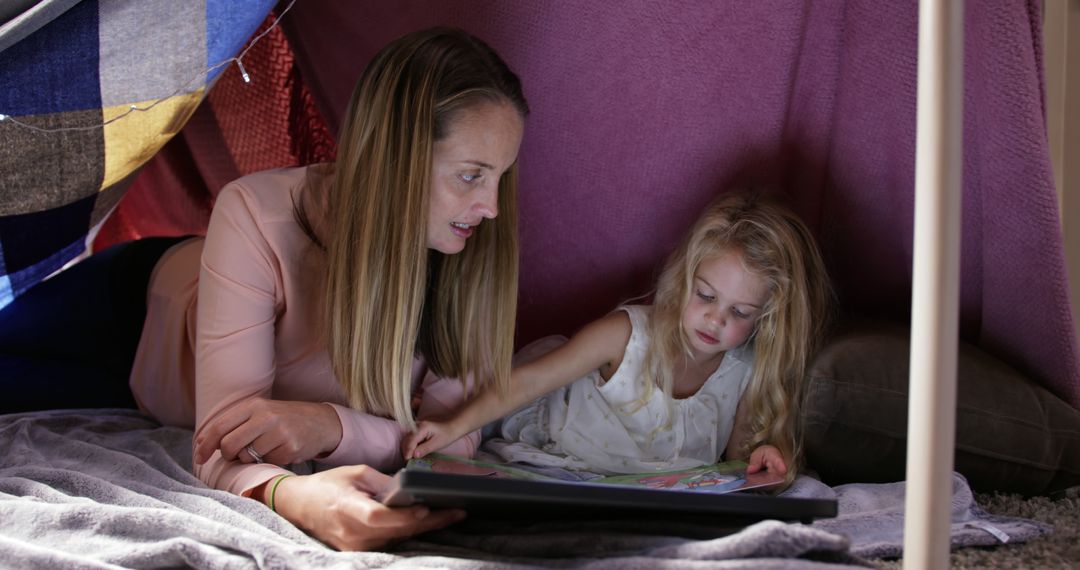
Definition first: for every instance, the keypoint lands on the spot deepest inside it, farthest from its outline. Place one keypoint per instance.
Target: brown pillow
(1011, 434)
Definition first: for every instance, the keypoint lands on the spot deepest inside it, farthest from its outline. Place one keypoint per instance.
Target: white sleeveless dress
(608, 428)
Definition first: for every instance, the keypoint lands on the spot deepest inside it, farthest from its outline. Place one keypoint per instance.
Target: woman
(326, 301)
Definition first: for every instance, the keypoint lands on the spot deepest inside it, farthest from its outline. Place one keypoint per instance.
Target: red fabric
(240, 128)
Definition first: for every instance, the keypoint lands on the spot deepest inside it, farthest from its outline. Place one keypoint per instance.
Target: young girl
(712, 369)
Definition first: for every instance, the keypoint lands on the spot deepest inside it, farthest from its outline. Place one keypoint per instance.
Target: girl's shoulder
(638, 315)
(616, 324)
(737, 366)
(743, 354)
(603, 340)
(636, 319)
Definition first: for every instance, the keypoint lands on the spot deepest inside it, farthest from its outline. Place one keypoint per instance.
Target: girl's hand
(766, 458)
(430, 436)
(416, 400)
(336, 507)
(282, 432)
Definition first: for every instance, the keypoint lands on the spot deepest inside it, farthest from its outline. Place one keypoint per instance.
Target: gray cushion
(1011, 434)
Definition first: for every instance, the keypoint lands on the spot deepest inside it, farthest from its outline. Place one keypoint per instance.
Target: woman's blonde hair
(776, 245)
(387, 296)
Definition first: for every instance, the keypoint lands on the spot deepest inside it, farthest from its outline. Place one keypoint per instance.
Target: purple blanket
(642, 111)
(112, 488)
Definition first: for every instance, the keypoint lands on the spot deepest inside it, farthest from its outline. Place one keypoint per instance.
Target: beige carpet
(1060, 549)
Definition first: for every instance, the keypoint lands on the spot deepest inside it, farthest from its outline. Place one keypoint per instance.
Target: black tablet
(496, 495)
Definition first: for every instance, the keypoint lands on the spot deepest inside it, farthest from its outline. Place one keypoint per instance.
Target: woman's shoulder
(274, 177)
(260, 208)
(268, 194)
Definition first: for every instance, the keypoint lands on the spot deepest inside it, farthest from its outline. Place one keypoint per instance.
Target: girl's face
(725, 302)
(481, 144)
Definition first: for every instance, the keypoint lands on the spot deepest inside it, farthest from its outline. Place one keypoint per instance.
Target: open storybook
(718, 478)
(520, 490)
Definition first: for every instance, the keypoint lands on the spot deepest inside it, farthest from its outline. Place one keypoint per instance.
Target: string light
(243, 72)
(182, 89)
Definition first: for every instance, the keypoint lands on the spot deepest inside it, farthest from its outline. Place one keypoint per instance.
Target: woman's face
(481, 144)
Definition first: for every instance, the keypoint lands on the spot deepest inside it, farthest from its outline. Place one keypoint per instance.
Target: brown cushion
(1011, 434)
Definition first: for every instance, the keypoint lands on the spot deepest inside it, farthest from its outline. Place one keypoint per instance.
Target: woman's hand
(430, 436)
(337, 507)
(767, 458)
(281, 432)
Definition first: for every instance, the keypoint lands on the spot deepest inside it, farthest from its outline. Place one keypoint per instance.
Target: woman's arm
(235, 372)
(332, 433)
(337, 507)
(239, 300)
(285, 431)
(601, 342)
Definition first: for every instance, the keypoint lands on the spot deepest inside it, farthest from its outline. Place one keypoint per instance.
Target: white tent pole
(936, 284)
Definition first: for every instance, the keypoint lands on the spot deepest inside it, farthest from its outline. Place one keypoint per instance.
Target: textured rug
(1059, 549)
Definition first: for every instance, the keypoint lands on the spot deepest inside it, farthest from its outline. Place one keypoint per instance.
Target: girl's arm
(441, 398)
(376, 442)
(740, 434)
(601, 342)
(763, 457)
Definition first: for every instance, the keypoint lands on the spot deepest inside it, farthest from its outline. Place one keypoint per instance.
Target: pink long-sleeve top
(235, 316)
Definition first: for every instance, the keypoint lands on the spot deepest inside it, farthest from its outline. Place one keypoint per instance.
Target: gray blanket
(111, 488)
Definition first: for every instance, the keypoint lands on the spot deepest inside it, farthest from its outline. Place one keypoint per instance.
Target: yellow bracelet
(273, 489)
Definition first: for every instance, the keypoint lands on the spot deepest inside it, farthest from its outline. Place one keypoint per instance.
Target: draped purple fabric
(643, 111)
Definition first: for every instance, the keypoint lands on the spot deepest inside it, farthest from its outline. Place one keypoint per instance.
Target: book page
(719, 478)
